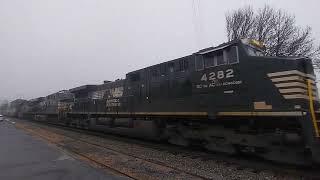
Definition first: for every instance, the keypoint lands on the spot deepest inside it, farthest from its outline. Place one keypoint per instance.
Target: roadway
(23, 156)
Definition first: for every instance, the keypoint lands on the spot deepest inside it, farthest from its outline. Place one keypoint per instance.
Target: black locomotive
(230, 98)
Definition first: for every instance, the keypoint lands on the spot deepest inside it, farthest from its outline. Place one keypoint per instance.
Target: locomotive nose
(305, 65)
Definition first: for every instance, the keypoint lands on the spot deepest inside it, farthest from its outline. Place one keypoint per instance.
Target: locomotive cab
(241, 77)
(289, 87)
(277, 94)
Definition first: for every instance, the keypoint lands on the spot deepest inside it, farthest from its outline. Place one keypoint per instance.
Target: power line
(196, 23)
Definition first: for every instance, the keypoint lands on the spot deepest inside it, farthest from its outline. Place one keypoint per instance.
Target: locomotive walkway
(26, 157)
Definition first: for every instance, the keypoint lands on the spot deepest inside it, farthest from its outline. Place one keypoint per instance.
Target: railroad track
(252, 165)
(158, 170)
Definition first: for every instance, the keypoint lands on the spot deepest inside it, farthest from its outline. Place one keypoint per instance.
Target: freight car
(15, 108)
(53, 107)
(230, 98)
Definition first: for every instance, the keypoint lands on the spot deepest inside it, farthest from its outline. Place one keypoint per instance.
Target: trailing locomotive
(230, 98)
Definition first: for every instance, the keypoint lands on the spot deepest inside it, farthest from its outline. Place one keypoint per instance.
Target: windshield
(253, 51)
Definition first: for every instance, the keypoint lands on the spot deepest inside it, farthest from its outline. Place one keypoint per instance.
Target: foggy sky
(50, 45)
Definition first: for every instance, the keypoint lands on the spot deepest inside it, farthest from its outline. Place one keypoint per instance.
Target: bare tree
(276, 28)
(240, 23)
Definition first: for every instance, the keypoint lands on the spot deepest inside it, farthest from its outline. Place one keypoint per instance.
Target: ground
(23, 156)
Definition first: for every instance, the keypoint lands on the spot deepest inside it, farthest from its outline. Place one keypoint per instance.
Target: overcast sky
(50, 45)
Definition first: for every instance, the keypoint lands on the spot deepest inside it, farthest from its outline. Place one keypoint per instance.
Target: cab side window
(210, 60)
(233, 56)
(221, 59)
(199, 63)
(228, 55)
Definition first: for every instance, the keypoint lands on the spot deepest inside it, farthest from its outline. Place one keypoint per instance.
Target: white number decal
(204, 77)
(212, 76)
(229, 73)
(220, 75)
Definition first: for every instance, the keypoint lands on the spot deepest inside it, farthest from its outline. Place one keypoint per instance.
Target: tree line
(276, 28)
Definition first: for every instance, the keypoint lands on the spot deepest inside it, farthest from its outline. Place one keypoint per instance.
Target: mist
(47, 46)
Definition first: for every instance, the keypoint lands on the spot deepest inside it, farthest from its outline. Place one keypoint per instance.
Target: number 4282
(217, 75)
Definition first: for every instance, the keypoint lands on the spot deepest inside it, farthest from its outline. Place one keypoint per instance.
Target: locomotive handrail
(313, 114)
